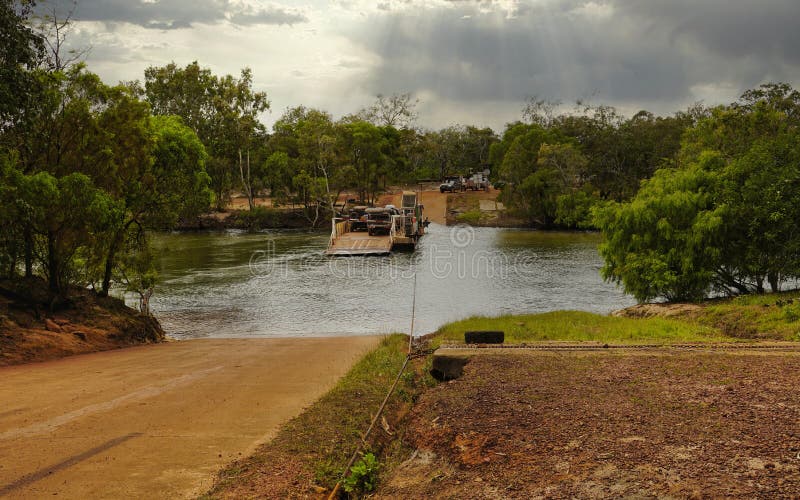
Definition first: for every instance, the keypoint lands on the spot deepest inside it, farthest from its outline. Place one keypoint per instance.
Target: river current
(279, 283)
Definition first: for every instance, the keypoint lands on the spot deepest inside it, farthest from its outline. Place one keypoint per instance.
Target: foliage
(179, 170)
(258, 218)
(222, 111)
(724, 221)
(574, 208)
(86, 172)
(58, 218)
(20, 51)
(666, 242)
(598, 155)
(363, 476)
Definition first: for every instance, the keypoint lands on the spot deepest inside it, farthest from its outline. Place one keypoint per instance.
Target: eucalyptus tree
(223, 111)
(396, 110)
(364, 148)
(237, 127)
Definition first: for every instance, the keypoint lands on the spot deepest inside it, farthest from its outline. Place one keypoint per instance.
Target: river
(278, 283)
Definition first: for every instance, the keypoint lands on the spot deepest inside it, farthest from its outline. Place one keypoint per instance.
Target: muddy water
(276, 284)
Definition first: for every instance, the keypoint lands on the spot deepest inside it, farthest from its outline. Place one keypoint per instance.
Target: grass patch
(470, 217)
(576, 326)
(765, 316)
(313, 448)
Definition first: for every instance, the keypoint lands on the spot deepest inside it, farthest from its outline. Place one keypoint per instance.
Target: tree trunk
(774, 282)
(111, 256)
(28, 253)
(250, 194)
(53, 267)
(109, 268)
(246, 181)
(760, 285)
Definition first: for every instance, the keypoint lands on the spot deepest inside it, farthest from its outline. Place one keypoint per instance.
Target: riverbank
(474, 208)
(35, 329)
(261, 217)
(562, 423)
(480, 209)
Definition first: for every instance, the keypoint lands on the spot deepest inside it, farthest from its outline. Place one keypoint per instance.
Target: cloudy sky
(467, 61)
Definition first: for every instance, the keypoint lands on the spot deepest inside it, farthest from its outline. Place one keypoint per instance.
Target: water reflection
(280, 283)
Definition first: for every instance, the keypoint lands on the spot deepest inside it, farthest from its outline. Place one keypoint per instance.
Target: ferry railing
(396, 219)
(338, 228)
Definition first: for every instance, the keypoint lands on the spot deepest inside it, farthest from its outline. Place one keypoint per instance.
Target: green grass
(769, 316)
(576, 326)
(470, 217)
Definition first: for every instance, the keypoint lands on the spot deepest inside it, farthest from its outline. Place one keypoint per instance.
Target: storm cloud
(177, 14)
(655, 53)
(468, 61)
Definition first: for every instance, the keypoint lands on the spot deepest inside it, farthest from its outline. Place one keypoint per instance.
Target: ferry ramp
(360, 243)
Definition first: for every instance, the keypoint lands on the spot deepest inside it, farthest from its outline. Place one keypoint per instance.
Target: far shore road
(156, 421)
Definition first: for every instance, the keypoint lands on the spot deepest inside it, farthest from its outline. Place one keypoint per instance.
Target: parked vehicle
(403, 227)
(358, 218)
(477, 182)
(451, 185)
(379, 220)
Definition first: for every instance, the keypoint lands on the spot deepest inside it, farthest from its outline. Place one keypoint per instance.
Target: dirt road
(435, 204)
(155, 421)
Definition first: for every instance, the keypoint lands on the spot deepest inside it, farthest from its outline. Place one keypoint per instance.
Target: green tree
(278, 177)
(64, 214)
(237, 109)
(223, 112)
(669, 240)
(726, 219)
(178, 172)
(21, 51)
(364, 148)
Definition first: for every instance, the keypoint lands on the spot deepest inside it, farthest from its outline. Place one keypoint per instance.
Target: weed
(791, 313)
(327, 471)
(363, 476)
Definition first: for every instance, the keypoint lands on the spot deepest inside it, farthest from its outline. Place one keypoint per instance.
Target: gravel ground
(609, 424)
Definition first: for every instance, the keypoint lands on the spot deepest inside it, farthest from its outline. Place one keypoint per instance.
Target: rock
(52, 325)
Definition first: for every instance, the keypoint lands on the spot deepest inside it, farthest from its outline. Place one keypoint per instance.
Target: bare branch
(55, 28)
